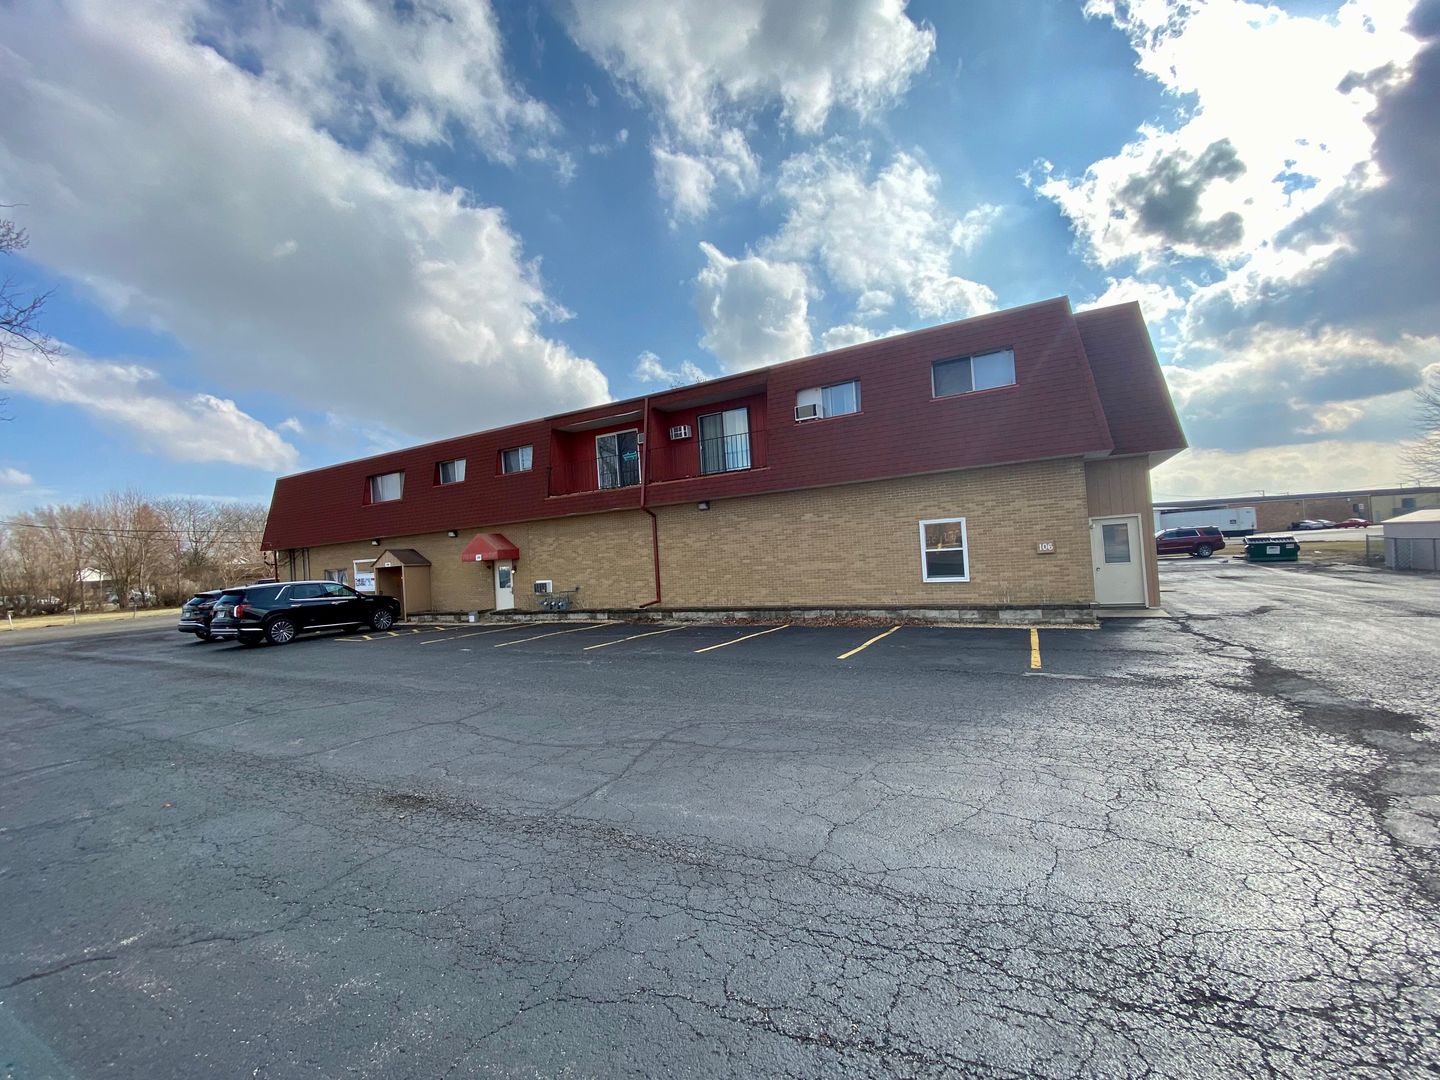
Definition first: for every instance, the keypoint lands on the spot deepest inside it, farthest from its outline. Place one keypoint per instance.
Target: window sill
(969, 394)
(825, 419)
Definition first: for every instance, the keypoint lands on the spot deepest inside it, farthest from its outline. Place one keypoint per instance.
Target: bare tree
(1422, 457)
(20, 308)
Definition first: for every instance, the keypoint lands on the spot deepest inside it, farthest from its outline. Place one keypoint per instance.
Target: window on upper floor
(385, 487)
(450, 472)
(516, 459)
(966, 374)
(837, 399)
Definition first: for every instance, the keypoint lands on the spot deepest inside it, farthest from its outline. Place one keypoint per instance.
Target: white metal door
(504, 585)
(1119, 560)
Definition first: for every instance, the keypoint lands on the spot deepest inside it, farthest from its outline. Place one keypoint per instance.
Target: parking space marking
(632, 637)
(861, 648)
(553, 633)
(360, 637)
(478, 633)
(1034, 648)
(747, 637)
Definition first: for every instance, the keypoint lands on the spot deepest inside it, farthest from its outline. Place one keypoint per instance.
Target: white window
(943, 550)
(966, 374)
(838, 399)
(516, 459)
(725, 441)
(335, 575)
(386, 487)
(450, 472)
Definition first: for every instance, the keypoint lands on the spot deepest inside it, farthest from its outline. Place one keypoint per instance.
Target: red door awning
(486, 547)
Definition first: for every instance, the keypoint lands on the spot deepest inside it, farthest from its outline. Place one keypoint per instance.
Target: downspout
(654, 521)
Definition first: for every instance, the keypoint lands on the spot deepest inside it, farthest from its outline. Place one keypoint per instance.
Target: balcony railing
(594, 474)
(708, 457)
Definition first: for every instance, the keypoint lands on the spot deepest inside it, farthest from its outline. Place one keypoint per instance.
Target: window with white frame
(336, 575)
(943, 550)
(516, 459)
(450, 472)
(966, 374)
(837, 399)
(386, 487)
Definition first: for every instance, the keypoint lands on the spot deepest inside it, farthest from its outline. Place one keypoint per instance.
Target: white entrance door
(1119, 560)
(504, 585)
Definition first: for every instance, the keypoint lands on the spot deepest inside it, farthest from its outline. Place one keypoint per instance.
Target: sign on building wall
(365, 575)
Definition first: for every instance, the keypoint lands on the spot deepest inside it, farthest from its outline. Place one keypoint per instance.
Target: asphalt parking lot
(1196, 846)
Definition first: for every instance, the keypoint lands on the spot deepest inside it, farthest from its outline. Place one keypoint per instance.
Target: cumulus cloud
(650, 369)
(1276, 127)
(1280, 385)
(879, 232)
(13, 477)
(1158, 301)
(837, 337)
(687, 181)
(399, 305)
(156, 416)
(753, 311)
(1327, 465)
(706, 68)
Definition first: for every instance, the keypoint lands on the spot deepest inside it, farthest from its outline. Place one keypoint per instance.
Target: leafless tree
(20, 308)
(1422, 457)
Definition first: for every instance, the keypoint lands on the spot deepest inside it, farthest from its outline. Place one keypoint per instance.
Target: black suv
(195, 615)
(276, 613)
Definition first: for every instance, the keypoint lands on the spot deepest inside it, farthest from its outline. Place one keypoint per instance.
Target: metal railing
(594, 474)
(708, 457)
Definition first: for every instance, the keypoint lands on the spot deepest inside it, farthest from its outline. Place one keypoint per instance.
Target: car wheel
(1204, 551)
(383, 619)
(280, 631)
(204, 635)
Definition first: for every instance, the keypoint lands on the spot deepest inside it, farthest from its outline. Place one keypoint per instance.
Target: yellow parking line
(858, 648)
(361, 637)
(1034, 649)
(633, 637)
(553, 633)
(747, 637)
(479, 633)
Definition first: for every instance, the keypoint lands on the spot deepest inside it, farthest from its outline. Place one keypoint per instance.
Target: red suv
(1201, 542)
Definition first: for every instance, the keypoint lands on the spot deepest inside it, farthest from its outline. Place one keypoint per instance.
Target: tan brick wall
(847, 545)
(1122, 486)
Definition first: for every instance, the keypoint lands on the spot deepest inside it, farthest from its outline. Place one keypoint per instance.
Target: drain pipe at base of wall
(654, 521)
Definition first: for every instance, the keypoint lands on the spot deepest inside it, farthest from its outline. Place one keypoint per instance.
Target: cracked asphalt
(1202, 846)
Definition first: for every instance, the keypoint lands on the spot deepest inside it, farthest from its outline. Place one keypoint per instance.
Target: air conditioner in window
(807, 412)
(679, 431)
(544, 587)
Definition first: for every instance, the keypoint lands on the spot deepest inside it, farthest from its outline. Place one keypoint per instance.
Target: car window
(338, 591)
(231, 598)
(306, 591)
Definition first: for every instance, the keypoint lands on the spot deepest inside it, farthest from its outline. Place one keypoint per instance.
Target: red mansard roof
(1086, 385)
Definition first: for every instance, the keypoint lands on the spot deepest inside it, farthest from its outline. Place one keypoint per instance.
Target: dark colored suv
(276, 613)
(195, 615)
(1202, 542)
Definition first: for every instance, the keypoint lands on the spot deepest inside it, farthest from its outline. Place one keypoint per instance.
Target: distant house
(1412, 541)
(998, 462)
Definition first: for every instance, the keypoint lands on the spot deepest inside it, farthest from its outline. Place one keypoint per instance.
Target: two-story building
(1000, 461)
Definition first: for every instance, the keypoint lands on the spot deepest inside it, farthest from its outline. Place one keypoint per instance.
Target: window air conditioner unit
(679, 431)
(544, 587)
(807, 412)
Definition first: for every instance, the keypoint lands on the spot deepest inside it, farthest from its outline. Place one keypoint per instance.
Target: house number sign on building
(1045, 547)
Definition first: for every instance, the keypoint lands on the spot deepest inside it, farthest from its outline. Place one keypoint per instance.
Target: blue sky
(285, 235)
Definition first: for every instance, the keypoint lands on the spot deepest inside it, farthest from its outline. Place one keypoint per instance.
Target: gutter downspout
(654, 521)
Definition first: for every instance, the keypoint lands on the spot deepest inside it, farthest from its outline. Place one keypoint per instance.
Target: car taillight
(239, 610)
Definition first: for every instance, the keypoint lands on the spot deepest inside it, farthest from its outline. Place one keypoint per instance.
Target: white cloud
(292, 424)
(707, 68)
(1329, 465)
(687, 181)
(1157, 301)
(401, 305)
(837, 337)
(876, 236)
(13, 477)
(1274, 129)
(754, 311)
(650, 369)
(185, 427)
(409, 73)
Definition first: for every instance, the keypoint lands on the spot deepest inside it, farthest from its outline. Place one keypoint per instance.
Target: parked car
(195, 615)
(1353, 523)
(277, 613)
(1312, 523)
(1202, 542)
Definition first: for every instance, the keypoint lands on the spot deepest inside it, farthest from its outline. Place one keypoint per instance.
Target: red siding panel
(1054, 410)
(1132, 388)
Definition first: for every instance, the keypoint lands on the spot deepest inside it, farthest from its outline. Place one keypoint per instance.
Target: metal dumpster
(1271, 549)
